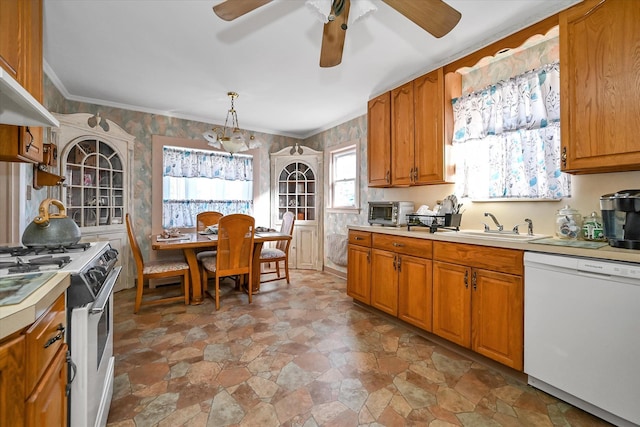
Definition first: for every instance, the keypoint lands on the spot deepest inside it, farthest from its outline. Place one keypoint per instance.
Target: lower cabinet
(478, 300)
(359, 266)
(33, 372)
(303, 252)
(401, 282)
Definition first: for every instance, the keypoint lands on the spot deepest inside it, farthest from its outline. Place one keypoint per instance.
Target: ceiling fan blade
(434, 16)
(333, 38)
(232, 9)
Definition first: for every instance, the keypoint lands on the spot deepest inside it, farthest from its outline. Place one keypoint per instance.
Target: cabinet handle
(28, 131)
(474, 281)
(368, 257)
(411, 174)
(386, 177)
(466, 279)
(563, 157)
(395, 260)
(358, 238)
(399, 263)
(398, 245)
(58, 337)
(415, 174)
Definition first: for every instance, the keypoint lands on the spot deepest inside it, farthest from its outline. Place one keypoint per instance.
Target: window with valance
(200, 180)
(506, 140)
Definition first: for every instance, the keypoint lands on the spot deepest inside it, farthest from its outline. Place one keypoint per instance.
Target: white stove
(93, 271)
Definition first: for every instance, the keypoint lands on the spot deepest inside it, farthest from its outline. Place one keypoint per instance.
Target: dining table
(191, 243)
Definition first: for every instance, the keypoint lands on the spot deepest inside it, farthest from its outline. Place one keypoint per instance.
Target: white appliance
(582, 333)
(89, 299)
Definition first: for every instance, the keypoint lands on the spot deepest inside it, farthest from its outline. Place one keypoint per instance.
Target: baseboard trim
(335, 272)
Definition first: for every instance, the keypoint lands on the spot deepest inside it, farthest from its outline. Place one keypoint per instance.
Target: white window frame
(332, 154)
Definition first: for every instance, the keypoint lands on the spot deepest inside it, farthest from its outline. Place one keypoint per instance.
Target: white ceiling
(177, 58)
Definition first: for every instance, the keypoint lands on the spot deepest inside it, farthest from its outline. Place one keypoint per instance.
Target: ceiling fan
(434, 16)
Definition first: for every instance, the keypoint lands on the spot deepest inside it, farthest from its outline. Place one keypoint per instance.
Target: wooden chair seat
(234, 255)
(279, 253)
(155, 270)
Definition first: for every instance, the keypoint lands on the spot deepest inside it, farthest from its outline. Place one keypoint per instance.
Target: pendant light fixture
(230, 137)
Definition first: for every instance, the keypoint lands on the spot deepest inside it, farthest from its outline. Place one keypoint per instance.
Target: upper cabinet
(600, 65)
(406, 134)
(21, 58)
(378, 140)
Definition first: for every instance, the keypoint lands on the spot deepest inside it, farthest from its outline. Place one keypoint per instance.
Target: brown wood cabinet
(33, 372)
(599, 45)
(417, 138)
(378, 140)
(401, 278)
(12, 378)
(21, 57)
(406, 134)
(478, 299)
(359, 266)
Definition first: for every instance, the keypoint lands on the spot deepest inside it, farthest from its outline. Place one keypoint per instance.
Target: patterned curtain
(506, 140)
(198, 180)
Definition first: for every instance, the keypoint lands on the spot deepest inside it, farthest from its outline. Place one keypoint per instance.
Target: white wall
(586, 192)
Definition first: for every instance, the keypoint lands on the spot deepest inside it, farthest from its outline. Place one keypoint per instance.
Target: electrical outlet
(28, 192)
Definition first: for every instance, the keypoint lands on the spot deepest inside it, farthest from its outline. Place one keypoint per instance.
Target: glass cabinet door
(94, 184)
(297, 191)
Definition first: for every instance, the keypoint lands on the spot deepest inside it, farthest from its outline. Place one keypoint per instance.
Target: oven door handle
(105, 292)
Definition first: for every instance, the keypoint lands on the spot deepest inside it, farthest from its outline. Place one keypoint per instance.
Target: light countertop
(605, 252)
(17, 316)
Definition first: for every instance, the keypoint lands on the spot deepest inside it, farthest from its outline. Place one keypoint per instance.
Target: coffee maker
(621, 218)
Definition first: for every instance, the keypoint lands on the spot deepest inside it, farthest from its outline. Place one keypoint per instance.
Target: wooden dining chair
(203, 220)
(155, 270)
(234, 252)
(279, 253)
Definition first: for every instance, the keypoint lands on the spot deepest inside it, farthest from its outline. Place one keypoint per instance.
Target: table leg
(255, 280)
(196, 280)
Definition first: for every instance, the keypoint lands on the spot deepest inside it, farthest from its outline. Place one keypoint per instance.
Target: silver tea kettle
(51, 229)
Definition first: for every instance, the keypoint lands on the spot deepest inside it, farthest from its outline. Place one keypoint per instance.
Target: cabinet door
(47, 405)
(378, 140)
(415, 291)
(10, 36)
(303, 248)
(429, 127)
(599, 43)
(359, 273)
(384, 281)
(497, 321)
(452, 302)
(12, 386)
(402, 135)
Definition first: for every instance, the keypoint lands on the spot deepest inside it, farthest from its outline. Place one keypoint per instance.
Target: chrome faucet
(529, 227)
(490, 215)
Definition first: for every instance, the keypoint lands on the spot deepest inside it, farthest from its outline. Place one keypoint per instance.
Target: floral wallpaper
(143, 126)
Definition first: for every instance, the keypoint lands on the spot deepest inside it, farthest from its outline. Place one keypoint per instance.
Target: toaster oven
(392, 214)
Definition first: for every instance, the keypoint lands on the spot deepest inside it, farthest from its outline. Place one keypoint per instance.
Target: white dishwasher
(582, 333)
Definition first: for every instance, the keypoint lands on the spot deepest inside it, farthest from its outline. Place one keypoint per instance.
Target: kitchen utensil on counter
(568, 223)
(592, 228)
(51, 229)
(622, 218)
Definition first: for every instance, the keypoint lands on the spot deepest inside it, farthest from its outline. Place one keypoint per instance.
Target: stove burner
(23, 268)
(66, 248)
(48, 249)
(50, 260)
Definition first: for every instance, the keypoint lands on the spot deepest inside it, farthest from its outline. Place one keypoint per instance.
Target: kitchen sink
(505, 236)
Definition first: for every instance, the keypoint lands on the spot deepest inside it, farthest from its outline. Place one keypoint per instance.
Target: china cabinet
(97, 163)
(297, 187)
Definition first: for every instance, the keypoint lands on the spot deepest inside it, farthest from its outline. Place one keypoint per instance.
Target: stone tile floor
(304, 355)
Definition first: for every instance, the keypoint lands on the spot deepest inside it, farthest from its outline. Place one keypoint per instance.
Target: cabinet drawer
(508, 261)
(403, 245)
(361, 238)
(43, 340)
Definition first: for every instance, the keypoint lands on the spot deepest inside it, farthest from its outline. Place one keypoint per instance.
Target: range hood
(19, 107)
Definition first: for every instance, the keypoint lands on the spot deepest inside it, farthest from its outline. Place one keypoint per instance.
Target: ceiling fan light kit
(230, 138)
(434, 16)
